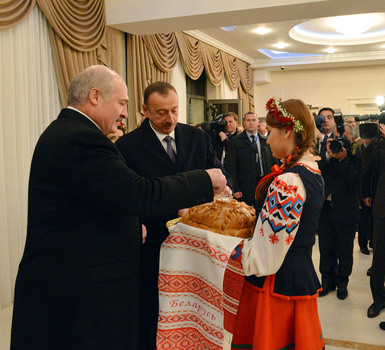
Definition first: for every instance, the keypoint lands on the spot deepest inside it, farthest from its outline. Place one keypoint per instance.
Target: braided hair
(305, 140)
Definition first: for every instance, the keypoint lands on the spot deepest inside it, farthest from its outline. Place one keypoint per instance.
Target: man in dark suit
(222, 138)
(188, 148)
(373, 160)
(340, 214)
(78, 281)
(248, 159)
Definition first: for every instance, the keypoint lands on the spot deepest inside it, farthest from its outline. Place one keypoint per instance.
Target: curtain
(13, 12)
(179, 82)
(154, 57)
(143, 69)
(69, 62)
(80, 38)
(80, 24)
(25, 111)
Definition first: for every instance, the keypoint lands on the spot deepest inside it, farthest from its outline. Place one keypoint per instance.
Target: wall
(352, 89)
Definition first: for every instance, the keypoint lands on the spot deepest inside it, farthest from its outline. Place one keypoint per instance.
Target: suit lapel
(248, 141)
(182, 140)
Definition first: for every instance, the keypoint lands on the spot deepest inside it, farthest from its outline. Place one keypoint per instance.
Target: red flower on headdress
(281, 116)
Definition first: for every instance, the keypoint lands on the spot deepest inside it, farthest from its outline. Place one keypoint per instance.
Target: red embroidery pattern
(184, 338)
(274, 238)
(261, 231)
(283, 186)
(289, 239)
(189, 284)
(195, 243)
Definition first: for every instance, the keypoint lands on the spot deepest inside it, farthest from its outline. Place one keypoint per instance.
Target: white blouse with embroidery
(277, 223)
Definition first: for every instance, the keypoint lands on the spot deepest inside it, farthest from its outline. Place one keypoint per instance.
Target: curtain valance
(13, 12)
(80, 24)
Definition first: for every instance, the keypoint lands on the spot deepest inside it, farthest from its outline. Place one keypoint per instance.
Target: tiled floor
(344, 322)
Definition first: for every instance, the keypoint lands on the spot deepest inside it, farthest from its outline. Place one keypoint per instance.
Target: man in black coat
(146, 151)
(222, 138)
(78, 281)
(373, 160)
(340, 214)
(248, 159)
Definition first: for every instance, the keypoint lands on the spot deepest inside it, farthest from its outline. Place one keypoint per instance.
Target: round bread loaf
(231, 218)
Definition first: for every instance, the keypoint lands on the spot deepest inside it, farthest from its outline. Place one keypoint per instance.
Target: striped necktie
(170, 151)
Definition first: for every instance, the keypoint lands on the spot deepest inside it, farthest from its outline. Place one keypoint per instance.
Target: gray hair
(350, 127)
(93, 77)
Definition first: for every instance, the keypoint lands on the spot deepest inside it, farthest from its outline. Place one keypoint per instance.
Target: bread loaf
(231, 218)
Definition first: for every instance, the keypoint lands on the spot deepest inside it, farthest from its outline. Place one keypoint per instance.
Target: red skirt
(267, 322)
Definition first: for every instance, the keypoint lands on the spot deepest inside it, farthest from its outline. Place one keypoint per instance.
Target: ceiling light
(330, 50)
(281, 45)
(352, 25)
(229, 29)
(321, 31)
(261, 30)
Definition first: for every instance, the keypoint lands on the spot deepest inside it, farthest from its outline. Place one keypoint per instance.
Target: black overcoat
(77, 285)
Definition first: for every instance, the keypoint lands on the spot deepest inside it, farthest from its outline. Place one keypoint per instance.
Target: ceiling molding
(213, 42)
(326, 59)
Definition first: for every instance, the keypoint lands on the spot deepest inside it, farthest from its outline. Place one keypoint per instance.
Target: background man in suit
(339, 217)
(262, 128)
(222, 139)
(78, 281)
(373, 160)
(326, 132)
(248, 159)
(147, 152)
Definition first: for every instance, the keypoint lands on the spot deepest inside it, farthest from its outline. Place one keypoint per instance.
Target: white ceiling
(203, 19)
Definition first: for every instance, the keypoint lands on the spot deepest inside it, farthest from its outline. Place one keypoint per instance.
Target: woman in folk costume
(278, 306)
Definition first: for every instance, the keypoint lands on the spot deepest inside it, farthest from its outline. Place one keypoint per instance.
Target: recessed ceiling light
(229, 29)
(261, 30)
(330, 50)
(281, 45)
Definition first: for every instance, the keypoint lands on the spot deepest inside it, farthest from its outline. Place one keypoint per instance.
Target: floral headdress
(123, 127)
(281, 116)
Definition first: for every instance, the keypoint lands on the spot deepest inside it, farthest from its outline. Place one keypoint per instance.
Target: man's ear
(94, 96)
(145, 110)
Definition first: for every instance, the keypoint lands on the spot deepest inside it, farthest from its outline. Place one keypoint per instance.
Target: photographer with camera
(373, 161)
(340, 166)
(224, 134)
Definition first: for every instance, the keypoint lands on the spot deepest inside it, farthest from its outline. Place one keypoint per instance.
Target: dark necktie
(253, 140)
(170, 150)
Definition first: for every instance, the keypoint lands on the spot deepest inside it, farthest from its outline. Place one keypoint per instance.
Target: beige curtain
(190, 51)
(13, 12)
(80, 38)
(212, 60)
(154, 57)
(231, 69)
(80, 24)
(69, 62)
(147, 65)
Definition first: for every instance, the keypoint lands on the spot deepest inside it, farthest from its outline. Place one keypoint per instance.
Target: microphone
(363, 117)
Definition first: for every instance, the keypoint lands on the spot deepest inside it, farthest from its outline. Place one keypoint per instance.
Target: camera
(370, 130)
(341, 141)
(217, 124)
